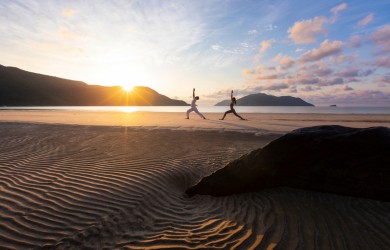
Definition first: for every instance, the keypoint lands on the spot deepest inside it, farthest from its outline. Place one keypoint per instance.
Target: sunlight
(126, 75)
(127, 88)
(128, 109)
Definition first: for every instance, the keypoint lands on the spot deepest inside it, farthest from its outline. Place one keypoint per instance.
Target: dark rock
(336, 159)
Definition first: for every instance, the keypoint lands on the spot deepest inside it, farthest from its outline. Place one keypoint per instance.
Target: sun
(126, 76)
(127, 87)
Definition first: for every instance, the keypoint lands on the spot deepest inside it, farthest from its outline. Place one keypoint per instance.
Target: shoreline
(257, 123)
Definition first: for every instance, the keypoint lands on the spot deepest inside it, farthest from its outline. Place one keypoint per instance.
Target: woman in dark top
(232, 103)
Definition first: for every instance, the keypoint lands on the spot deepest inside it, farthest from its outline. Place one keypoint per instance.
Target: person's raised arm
(193, 93)
(231, 95)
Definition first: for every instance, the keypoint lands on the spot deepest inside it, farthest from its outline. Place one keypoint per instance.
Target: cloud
(352, 98)
(340, 59)
(253, 32)
(338, 8)
(245, 45)
(355, 41)
(292, 90)
(368, 19)
(348, 73)
(216, 47)
(382, 61)
(69, 12)
(366, 72)
(284, 61)
(319, 69)
(381, 38)
(383, 79)
(248, 71)
(274, 86)
(271, 27)
(326, 49)
(309, 89)
(265, 45)
(311, 79)
(268, 86)
(346, 88)
(331, 82)
(268, 77)
(307, 80)
(306, 31)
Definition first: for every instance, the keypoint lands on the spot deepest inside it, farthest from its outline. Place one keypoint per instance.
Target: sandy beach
(95, 180)
(257, 123)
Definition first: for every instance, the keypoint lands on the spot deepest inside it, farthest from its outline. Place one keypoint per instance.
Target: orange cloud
(284, 61)
(69, 12)
(248, 71)
(268, 77)
(306, 31)
(265, 45)
(326, 48)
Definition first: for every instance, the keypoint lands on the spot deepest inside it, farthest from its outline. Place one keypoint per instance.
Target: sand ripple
(78, 187)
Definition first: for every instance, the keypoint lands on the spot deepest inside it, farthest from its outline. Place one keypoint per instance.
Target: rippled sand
(68, 186)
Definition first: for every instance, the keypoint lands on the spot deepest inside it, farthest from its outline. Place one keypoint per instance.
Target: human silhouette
(193, 106)
(232, 110)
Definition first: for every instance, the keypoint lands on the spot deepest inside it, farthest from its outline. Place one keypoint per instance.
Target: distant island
(23, 88)
(261, 99)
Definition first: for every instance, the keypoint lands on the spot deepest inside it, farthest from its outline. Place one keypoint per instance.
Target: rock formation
(335, 159)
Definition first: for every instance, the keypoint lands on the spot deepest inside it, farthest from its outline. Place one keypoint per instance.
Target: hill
(23, 88)
(267, 100)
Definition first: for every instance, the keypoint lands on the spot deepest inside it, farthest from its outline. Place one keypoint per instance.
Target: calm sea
(216, 109)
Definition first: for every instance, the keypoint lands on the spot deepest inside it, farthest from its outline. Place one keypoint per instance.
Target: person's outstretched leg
(224, 115)
(234, 112)
(227, 112)
(188, 113)
(200, 114)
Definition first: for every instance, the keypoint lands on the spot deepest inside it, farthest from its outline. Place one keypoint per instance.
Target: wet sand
(279, 123)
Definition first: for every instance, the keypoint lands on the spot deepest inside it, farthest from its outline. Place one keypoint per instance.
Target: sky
(325, 52)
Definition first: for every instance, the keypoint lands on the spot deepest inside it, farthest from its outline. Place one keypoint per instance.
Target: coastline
(257, 122)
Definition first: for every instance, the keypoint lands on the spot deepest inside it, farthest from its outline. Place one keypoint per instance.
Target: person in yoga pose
(232, 110)
(193, 106)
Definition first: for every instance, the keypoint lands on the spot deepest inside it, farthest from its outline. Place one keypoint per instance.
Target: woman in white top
(193, 106)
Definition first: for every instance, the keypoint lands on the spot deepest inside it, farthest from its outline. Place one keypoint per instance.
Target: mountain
(267, 100)
(23, 88)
